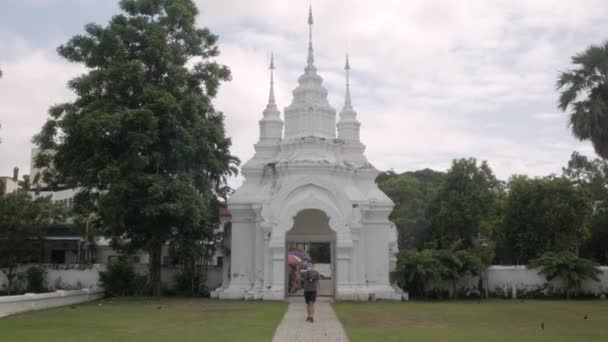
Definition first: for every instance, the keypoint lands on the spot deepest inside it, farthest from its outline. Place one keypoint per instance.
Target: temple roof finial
(271, 100)
(271, 60)
(347, 100)
(311, 59)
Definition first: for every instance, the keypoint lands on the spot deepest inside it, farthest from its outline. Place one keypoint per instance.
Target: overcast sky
(431, 80)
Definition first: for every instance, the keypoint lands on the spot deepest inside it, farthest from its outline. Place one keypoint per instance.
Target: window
(136, 259)
(57, 257)
(113, 258)
(219, 261)
(167, 260)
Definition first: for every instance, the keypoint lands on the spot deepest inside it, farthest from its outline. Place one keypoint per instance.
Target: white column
(259, 260)
(241, 266)
(344, 289)
(277, 254)
(267, 262)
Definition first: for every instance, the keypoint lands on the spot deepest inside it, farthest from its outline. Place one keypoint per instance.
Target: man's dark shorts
(310, 296)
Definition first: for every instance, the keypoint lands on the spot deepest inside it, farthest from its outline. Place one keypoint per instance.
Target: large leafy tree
(142, 137)
(465, 206)
(544, 214)
(22, 223)
(592, 176)
(412, 193)
(584, 93)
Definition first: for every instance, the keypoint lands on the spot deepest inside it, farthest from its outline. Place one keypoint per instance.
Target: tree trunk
(155, 270)
(480, 285)
(9, 277)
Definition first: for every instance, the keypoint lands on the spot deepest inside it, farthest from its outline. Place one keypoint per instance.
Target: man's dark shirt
(310, 279)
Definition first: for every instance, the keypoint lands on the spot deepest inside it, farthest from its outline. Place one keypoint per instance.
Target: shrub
(568, 267)
(120, 279)
(416, 269)
(36, 282)
(188, 283)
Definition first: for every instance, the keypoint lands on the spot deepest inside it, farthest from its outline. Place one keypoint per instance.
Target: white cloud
(33, 80)
(549, 116)
(431, 81)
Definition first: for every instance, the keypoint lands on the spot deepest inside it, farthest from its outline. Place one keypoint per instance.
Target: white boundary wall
(10, 305)
(64, 277)
(76, 277)
(518, 280)
(506, 279)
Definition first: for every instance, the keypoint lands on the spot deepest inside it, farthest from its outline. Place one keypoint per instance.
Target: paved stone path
(294, 328)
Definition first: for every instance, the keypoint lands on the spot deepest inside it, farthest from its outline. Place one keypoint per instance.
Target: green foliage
(22, 220)
(412, 192)
(544, 214)
(189, 282)
(416, 269)
(595, 248)
(193, 247)
(465, 206)
(568, 267)
(120, 279)
(36, 280)
(142, 133)
(584, 92)
(590, 174)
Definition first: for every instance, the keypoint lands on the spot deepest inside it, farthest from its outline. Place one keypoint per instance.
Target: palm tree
(584, 90)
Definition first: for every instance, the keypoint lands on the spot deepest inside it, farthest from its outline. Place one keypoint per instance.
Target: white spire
(348, 126)
(310, 114)
(271, 100)
(271, 125)
(347, 100)
(311, 59)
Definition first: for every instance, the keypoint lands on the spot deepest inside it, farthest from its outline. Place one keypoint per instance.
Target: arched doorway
(310, 240)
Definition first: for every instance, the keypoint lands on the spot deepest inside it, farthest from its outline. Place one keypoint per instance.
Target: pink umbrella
(293, 260)
(300, 254)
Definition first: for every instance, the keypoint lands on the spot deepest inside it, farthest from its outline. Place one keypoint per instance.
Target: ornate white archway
(306, 194)
(309, 193)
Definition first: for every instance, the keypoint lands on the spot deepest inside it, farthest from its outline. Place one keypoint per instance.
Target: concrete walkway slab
(294, 328)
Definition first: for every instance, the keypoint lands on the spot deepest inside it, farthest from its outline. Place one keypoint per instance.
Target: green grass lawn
(146, 319)
(495, 320)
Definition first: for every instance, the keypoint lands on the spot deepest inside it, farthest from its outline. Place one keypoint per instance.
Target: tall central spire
(311, 58)
(310, 114)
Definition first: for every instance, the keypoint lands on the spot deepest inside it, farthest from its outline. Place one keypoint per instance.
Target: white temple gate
(308, 169)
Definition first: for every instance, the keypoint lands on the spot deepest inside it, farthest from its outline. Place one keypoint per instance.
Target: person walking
(310, 282)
